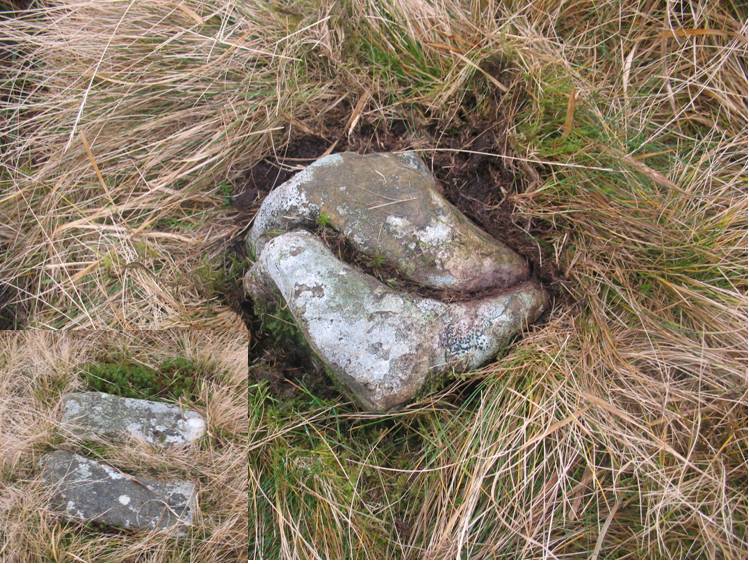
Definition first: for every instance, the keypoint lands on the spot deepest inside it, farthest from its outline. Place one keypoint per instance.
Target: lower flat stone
(382, 344)
(94, 414)
(87, 491)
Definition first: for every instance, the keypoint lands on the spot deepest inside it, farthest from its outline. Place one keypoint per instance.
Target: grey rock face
(382, 344)
(85, 490)
(93, 414)
(388, 206)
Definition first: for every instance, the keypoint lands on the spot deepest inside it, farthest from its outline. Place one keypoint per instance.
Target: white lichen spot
(189, 428)
(441, 280)
(124, 500)
(412, 160)
(436, 234)
(112, 473)
(194, 426)
(182, 493)
(358, 240)
(83, 470)
(399, 226)
(72, 408)
(135, 430)
(145, 407)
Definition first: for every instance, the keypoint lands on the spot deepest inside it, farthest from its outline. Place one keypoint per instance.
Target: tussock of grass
(38, 367)
(175, 378)
(119, 122)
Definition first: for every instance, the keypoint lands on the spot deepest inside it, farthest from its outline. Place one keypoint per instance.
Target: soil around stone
(479, 185)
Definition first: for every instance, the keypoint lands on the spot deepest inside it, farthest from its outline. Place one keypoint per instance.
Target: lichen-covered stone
(91, 415)
(388, 206)
(87, 491)
(382, 344)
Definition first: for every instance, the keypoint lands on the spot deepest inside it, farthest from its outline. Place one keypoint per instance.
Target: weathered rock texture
(380, 343)
(96, 414)
(85, 490)
(388, 206)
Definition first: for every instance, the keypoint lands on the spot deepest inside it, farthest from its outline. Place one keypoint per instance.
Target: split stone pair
(383, 344)
(85, 490)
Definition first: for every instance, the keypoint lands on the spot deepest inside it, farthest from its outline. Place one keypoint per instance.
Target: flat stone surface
(87, 491)
(382, 344)
(90, 415)
(388, 206)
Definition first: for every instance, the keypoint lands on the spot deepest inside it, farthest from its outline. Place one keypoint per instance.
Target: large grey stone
(388, 206)
(382, 344)
(87, 491)
(91, 415)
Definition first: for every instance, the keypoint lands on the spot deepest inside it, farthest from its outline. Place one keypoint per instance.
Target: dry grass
(617, 429)
(123, 125)
(39, 366)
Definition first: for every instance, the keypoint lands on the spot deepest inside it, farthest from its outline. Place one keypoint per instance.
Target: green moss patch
(175, 378)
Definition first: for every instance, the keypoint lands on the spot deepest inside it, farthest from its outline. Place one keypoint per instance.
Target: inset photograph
(123, 448)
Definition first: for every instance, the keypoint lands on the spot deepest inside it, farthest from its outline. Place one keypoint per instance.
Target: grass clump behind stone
(176, 378)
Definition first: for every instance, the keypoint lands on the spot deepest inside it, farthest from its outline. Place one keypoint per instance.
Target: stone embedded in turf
(96, 414)
(388, 206)
(382, 344)
(87, 491)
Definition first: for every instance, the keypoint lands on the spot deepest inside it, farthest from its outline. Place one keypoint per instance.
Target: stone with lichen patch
(381, 344)
(91, 415)
(388, 206)
(87, 491)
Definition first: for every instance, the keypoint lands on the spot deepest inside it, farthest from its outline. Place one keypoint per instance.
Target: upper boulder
(389, 207)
